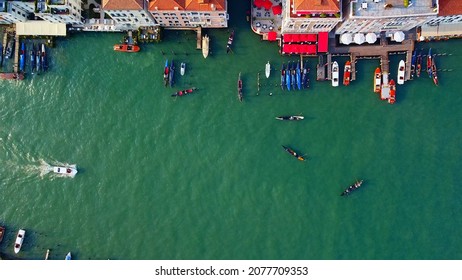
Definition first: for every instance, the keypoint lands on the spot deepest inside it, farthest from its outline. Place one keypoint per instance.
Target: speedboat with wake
(290, 118)
(351, 188)
(335, 74)
(70, 170)
(293, 153)
(184, 92)
(19, 240)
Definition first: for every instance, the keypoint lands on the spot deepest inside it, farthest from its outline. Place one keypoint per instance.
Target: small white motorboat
(205, 46)
(68, 257)
(267, 69)
(19, 240)
(183, 68)
(401, 70)
(335, 74)
(70, 170)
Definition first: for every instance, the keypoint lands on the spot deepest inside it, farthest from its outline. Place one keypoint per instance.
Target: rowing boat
(293, 153)
(239, 88)
(290, 118)
(352, 187)
(184, 92)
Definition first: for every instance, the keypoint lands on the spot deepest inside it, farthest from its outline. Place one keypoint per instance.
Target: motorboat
(435, 75)
(11, 76)
(293, 153)
(44, 59)
(205, 46)
(182, 68)
(171, 73)
(401, 70)
(32, 59)
(9, 48)
(283, 77)
(335, 74)
(290, 118)
(392, 97)
(413, 63)
(418, 64)
(230, 42)
(347, 73)
(130, 48)
(70, 170)
(22, 57)
(166, 70)
(184, 92)
(288, 76)
(298, 76)
(68, 257)
(377, 80)
(305, 79)
(239, 88)
(2, 233)
(429, 63)
(352, 187)
(267, 69)
(19, 240)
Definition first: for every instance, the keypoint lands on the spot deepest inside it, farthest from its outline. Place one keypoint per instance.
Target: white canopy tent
(371, 38)
(40, 28)
(359, 38)
(346, 38)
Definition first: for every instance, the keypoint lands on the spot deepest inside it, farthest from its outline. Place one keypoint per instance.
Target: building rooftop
(316, 6)
(190, 5)
(122, 4)
(450, 7)
(391, 8)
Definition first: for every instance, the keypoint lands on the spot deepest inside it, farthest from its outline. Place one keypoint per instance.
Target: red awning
(272, 36)
(286, 48)
(308, 49)
(323, 42)
(277, 10)
(267, 4)
(296, 37)
(287, 38)
(258, 3)
(309, 37)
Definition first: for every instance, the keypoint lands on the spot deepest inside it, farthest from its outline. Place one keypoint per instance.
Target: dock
(199, 38)
(16, 54)
(321, 69)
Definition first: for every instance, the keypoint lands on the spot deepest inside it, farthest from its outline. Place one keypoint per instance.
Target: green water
(205, 177)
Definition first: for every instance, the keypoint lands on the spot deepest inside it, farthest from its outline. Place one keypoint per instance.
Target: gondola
(166, 70)
(419, 64)
(290, 118)
(283, 77)
(434, 70)
(239, 88)
(184, 92)
(292, 152)
(352, 187)
(171, 78)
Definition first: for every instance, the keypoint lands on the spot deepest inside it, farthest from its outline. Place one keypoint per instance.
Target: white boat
(401, 69)
(19, 240)
(335, 74)
(205, 46)
(183, 68)
(68, 257)
(267, 69)
(70, 170)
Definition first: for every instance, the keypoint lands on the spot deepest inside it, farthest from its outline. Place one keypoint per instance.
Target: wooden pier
(321, 69)
(199, 38)
(16, 54)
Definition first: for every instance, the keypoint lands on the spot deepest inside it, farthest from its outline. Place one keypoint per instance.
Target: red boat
(377, 80)
(12, 76)
(435, 75)
(126, 48)
(239, 88)
(347, 73)
(184, 92)
(392, 97)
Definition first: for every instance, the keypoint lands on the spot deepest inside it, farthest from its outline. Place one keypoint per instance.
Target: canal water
(204, 176)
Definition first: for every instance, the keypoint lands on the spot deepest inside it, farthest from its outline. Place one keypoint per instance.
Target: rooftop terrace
(391, 8)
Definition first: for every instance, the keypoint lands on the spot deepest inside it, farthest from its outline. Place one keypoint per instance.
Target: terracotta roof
(316, 5)
(190, 5)
(166, 4)
(122, 4)
(450, 7)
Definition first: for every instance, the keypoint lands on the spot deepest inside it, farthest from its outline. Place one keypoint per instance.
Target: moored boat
(130, 48)
(38, 54)
(32, 59)
(392, 97)
(19, 240)
(171, 73)
(239, 88)
(418, 64)
(429, 63)
(347, 73)
(413, 63)
(2, 233)
(335, 74)
(267, 69)
(22, 57)
(230, 42)
(434, 70)
(298, 76)
(68, 257)
(182, 68)
(401, 70)
(12, 76)
(166, 70)
(44, 58)
(69, 170)
(283, 76)
(293, 153)
(205, 46)
(290, 118)
(9, 48)
(184, 92)
(352, 187)
(293, 73)
(288, 76)
(305, 79)
(377, 80)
